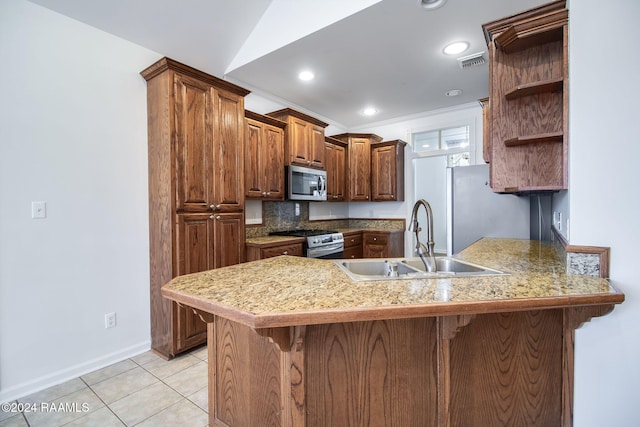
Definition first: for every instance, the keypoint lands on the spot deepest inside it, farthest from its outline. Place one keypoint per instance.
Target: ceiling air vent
(472, 60)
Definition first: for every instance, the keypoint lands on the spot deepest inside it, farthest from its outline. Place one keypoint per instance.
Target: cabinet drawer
(351, 240)
(354, 252)
(294, 249)
(375, 238)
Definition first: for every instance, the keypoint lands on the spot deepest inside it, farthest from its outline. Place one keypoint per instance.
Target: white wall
(604, 200)
(73, 134)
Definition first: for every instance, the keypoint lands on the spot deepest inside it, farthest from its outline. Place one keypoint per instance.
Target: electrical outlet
(559, 221)
(110, 320)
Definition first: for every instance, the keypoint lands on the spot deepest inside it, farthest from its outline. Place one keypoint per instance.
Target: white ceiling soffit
(184, 30)
(300, 18)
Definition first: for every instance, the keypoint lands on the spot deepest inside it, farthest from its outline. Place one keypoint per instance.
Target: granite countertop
(288, 291)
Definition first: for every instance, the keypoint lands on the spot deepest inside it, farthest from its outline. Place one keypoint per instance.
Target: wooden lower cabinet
(352, 245)
(495, 369)
(383, 244)
(204, 241)
(256, 252)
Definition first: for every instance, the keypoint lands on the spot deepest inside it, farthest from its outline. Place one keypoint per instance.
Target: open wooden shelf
(534, 139)
(546, 86)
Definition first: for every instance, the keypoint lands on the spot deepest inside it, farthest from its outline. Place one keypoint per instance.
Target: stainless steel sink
(361, 270)
(450, 265)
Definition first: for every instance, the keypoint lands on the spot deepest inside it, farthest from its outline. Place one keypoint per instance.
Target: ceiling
(381, 53)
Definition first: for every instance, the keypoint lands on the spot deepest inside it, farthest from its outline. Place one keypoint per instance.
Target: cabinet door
(228, 239)
(264, 161)
(335, 166)
(193, 139)
(340, 174)
(375, 245)
(316, 147)
(360, 169)
(253, 162)
(383, 173)
(228, 152)
(273, 162)
(194, 240)
(298, 141)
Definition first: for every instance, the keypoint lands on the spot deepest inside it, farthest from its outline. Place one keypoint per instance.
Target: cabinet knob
(268, 193)
(214, 207)
(264, 193)
(285, 253)
(218, 217)
(375, 238)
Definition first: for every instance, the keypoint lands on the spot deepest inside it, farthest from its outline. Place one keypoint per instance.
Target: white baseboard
(63, 375)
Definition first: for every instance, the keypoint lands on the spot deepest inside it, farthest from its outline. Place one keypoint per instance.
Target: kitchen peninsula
(294, 342)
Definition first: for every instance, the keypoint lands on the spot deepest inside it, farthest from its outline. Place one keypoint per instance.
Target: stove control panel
(325, 239)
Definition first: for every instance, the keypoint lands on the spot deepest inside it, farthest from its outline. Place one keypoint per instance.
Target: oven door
(332, 251)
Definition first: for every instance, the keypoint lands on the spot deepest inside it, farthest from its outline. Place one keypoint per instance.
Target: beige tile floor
(144, 391)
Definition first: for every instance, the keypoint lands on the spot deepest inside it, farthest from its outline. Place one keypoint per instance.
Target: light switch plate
(38, 210)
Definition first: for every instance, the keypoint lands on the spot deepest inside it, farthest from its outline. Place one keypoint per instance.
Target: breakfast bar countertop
(289, 291)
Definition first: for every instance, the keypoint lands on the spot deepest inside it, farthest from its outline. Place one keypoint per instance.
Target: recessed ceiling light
(306, 75)
(453, 92)
(431, 4)
(369, 111)
(455, 48)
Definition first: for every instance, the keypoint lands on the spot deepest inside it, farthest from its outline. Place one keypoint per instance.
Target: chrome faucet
(426, 253)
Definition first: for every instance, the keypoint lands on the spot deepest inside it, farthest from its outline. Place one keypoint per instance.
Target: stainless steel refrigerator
(475, 211)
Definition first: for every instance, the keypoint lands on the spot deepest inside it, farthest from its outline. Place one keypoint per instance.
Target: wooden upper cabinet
(387, 171)
(527, 135)
(264, 157)
(336, 165)
(358, 164)
(228, 152)
(304, 138)
(209, 147)
(193, 143)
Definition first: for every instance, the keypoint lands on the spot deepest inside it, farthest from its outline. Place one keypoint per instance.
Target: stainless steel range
(324, 244)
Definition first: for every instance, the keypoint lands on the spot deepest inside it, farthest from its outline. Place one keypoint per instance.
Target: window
(453, 138)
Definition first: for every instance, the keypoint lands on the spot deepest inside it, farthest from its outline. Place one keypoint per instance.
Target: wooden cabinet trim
(170, 64)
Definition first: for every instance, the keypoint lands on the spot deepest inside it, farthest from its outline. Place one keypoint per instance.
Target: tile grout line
(105, 403)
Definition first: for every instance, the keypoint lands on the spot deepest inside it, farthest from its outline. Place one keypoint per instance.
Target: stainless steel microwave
(306, 183)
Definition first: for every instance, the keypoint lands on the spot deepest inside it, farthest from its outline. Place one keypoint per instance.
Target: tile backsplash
(288, 215)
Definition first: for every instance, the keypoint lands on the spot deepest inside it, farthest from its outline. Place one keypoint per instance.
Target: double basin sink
(361, 270)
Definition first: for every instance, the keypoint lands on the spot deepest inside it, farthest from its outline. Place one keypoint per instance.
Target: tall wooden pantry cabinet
(196, 189)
